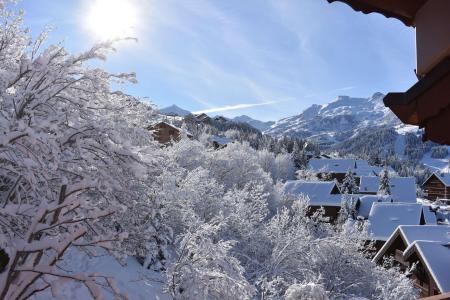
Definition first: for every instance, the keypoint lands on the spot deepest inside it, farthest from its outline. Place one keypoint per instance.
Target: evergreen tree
(384, 187)
(299, 156)
(349, 185)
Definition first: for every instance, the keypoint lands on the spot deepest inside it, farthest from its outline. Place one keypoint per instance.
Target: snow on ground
(438, 164)
(133, 280)
(403, 129)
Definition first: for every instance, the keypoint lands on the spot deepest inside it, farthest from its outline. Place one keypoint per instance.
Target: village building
(364, 204)
(220, 119)
(219, 142)
(428, 248)
(427, 103)
(403, 189)
(165, 133)
(385, 217)
(203, 118)
(324, 194)
(437, 187)
(335, 168)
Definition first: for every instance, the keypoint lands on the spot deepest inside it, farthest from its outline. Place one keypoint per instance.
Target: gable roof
(385, 217)
(412, 233)
(220, 140)
(331, 165)
(436, 257)
(443, 177)
(365, 203)
(318, 192)
(429, 215)
(163, 123)
(342, 165)
(403, 189)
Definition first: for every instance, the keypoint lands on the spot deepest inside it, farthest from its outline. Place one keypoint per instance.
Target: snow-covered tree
(72, 161)
(384, 187)
(205, 269)
(349, 185)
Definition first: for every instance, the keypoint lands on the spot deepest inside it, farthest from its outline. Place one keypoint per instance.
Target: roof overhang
(426, 104)
(403, 10)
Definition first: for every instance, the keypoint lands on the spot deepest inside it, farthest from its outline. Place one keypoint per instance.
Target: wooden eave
(426, 104)
(403, 10)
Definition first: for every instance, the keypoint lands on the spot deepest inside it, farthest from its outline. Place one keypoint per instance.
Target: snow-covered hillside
(260, 125)
(338, 120)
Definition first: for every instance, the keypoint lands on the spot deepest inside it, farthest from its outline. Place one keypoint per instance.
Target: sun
(109, 19)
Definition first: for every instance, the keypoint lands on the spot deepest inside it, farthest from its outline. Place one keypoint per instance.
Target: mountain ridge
(336, 121)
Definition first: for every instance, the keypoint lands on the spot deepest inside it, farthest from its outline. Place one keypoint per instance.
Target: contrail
(234, 107)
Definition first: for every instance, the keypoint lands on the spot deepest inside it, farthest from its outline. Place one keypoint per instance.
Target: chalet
(428, 248)
(437, 186)
(337, 167)
(219, 142)
(364, 204)
(426, 103)
(403, 189)
(220, 119)
(165, 133)
(203, 118)
(385, 217)
(324, 194)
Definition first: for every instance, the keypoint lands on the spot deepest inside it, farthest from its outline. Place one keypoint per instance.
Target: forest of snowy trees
(79, 170)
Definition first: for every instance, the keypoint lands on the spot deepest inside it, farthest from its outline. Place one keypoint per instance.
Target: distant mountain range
(174, 110)
(337, 121)
(349, 125)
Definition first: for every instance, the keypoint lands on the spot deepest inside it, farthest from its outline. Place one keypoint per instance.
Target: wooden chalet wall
(164, 133)
(434, 189)
(332, 212)
(422, 278)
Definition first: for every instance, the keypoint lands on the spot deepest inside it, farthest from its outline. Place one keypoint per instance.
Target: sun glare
(108, 19)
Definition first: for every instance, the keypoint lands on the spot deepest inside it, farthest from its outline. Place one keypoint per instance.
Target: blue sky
(264, 58)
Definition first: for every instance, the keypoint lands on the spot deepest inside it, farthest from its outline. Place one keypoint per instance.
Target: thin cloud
(234, 107)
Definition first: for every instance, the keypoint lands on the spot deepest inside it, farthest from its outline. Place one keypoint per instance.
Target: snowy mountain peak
(174, 110)
(337, 120)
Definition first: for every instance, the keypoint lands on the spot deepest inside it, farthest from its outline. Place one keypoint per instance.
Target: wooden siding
(164, 133)
(331, 212)
(435, 189)
(421, 277)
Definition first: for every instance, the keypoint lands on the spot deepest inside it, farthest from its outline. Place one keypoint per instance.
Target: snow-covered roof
(385, 217)
(366, 201)
(436, 257)
(171, 125)
(221, 140)
(438, 233)
(342, 165)
(403, 189)
(331, 165)
(412, 233)
(318, 192)
(444, 177)
(429, 215)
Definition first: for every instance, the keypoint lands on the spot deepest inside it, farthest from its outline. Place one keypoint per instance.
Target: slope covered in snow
(338, 120)
(260, 125)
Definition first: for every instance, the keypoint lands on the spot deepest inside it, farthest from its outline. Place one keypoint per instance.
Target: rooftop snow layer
(318, 192)
(403, 189)
(385, 217)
